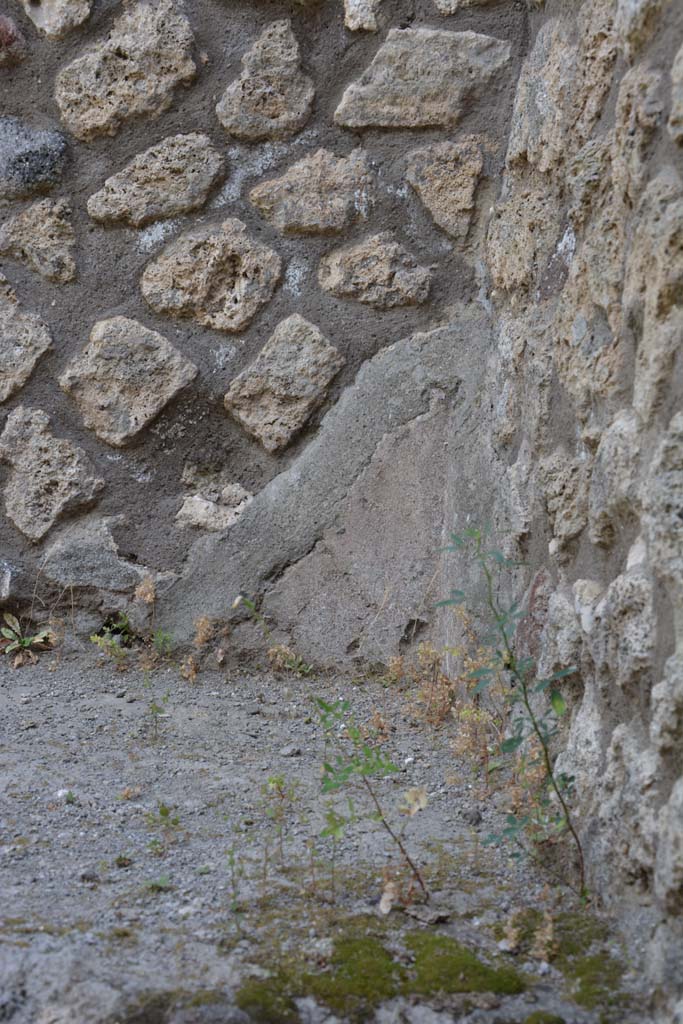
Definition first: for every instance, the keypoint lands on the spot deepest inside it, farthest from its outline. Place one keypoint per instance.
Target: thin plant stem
(511, 665)
(396, 838)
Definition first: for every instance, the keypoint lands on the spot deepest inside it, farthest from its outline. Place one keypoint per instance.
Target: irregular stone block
(321, 194)
(50, 476)
(377, 271)
(639, 113)
(589, 355)
(124, 377)
(57, 17)
(668, 877)
(205, 514)
(662, 498)
(422, 77)
(652, 289)
(623, 787)
(612, 494)
(587, 174)
(173, 177)
(563, 483)
(216, 275)
(562, 87)
(273, 398)
(522, 233)
(635, 22)
(31, 160)
(676, 115)
(131, 73)
(12, 43)
(24, 339)
(43, 238)
(361, 15)
(624, 637)
(666, 725)
(272, 98)
(85, 555)
(445, 176)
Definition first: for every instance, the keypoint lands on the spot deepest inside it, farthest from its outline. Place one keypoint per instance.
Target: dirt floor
(161, 860)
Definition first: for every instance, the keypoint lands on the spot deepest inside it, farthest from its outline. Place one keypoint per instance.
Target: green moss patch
(442, 965)
(363, 975)
(541, 1017)
(268, 1000)
(593, 974)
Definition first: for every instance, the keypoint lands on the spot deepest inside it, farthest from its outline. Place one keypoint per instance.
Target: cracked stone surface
(31, 159)
(124, 377)
(12, 42)
(272, 98)
(445, 176)
(377, 271)
(132, 72)
(84, 555)
(57, 17)
(275, 395)
(217, 275)
(42, 237)
(49, 476)
(422, 77)
(321, 194)
(389, 391)
(174, 176)
(24, 339)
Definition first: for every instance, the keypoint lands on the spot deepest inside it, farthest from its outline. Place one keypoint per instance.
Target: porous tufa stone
(24, 340)
(377, 271)
(563, 484)
(272, 98)
(445, 176)
(131, 73)
(207, 514)
(321, 194)
(124, 377)
(174, 176)
(421, 78)
(49, 476)
(215, 274)
(361, 15)
(42, 237)
(273, 398)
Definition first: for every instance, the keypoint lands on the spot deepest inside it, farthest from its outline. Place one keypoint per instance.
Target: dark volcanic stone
(12, 42)
(31, 159)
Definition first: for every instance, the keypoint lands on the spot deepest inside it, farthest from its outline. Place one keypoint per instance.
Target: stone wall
(291, 289)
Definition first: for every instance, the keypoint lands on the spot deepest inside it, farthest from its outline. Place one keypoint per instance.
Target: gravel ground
(141, 878)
